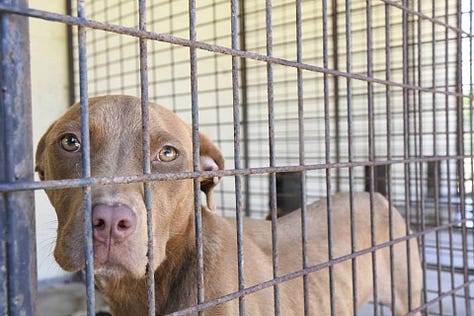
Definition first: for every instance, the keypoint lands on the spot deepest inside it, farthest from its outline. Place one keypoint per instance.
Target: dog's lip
(109, 270)
(111, 260)
(104, 256)
(108, 266)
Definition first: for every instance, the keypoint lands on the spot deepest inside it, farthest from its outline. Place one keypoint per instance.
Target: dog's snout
(112, 224)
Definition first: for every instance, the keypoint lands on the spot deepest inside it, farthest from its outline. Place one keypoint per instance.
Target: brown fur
(115, 131)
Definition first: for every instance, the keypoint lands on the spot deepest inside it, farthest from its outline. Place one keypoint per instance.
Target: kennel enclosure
(328, 96)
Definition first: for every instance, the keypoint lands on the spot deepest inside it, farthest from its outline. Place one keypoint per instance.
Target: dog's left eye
(167, 154)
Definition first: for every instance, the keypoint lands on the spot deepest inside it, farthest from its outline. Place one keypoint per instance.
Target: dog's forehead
(125, 109)
(121, 116)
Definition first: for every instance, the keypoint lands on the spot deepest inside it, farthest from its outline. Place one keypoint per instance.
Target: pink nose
(112, 224)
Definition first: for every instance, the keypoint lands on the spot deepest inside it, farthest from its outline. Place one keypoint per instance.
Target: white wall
(49, 87)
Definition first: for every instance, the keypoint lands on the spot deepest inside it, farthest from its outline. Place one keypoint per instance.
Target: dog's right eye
(167, 154)
(70, 143)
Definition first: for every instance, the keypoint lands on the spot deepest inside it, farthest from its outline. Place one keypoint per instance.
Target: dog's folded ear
(39, 159)
(210, 159)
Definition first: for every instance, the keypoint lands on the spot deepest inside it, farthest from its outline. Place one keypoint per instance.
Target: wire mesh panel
(304, 99)
(403, 141)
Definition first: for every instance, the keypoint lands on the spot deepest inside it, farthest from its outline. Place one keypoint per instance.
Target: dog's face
(119, 213)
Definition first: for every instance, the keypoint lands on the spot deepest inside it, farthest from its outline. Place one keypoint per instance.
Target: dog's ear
(210, 159)
(39, 159)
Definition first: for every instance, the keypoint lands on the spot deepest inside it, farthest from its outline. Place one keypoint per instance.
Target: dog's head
(119, 213)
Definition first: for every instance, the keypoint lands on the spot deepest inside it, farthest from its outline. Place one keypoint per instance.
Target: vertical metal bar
(17, 221)
(350, 140)
(388, 106)
(86, 167)
(301, 150)
(335, 54)
(195, 130)
(436, 173)
(237, 153)
(271, 134)
(460, 153)
(371, 153)
(406, 137)
(448, 154)
(244, 102)
(4, 298)
(217, 85)
(150, 275)
(172, 54)
(121, 50)
(421, 144)
(70, 53)
(327, 136)
(471, 99)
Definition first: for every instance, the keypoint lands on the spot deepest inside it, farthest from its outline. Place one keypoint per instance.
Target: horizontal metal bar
(441, 297)
(428, 18)
(114, 28)
(75, 183)
(449, 269)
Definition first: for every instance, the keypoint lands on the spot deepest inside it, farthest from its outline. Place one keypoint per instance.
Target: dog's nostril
(99, 223)
(124, 224)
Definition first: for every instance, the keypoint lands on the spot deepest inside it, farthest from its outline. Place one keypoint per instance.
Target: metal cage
(305, 98)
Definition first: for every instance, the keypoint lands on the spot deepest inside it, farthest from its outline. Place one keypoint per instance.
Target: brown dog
(119, 225)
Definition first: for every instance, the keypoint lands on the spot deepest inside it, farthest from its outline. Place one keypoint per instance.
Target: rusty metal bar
(371, 148)
(440, 297)
(460, 163)
(150, 273)
(239, 212)
(406, 132)
(327, 148)
(336, 98)
(244, 102)
(17, 220)
(448, 143)
(433, 20)
(420, 146)
(437, 176)
(350, 150)
(301, 154)
(86, 165)
(271, 148)
(388, 106)
(195, 131)
(74, 183)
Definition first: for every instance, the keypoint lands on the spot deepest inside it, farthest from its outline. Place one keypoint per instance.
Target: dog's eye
(167, 154)
(70, 143)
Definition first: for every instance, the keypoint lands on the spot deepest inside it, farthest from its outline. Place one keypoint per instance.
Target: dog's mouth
(109, 270)
(118, 260)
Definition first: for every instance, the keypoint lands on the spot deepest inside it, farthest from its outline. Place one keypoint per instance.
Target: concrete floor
(66, 299)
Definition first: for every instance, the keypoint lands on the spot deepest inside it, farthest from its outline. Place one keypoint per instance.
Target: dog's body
(119, 220)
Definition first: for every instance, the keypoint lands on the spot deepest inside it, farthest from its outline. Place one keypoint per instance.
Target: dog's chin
(106, 268)
(117, 272)
(118, 268)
